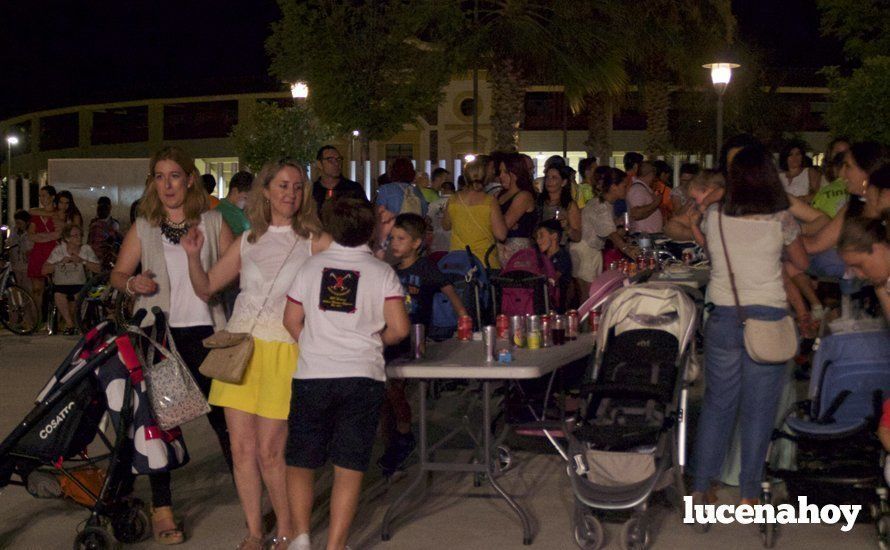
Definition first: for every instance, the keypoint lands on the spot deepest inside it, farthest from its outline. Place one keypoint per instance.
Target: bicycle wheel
(18, 310)
(92, 305)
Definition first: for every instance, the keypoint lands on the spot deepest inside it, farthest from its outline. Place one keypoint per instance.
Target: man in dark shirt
(331, 183)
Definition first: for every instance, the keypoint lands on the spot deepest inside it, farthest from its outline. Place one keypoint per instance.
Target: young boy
(421, 280)
(547, 236)
(343, 307)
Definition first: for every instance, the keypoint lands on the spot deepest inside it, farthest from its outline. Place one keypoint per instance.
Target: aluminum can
(465, 328)
(489, 341)
(572, 324)
(613, 265)
(627, 221)
(594, 322)
(546, 331)
(653, 263)
(503, 327)
(517, 330)
(418, 340)
(688, 256)
(533, 323)
(559, 330)
(534, 339)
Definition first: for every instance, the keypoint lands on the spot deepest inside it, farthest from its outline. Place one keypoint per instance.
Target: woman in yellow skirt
(284, 232)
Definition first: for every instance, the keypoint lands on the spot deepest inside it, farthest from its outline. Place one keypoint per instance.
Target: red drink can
(503, 327)
(653, 263)
(465, 328)
(572, 325)
(594, 322)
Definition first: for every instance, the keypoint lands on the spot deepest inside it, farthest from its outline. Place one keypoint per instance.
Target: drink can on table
(418, 340)
(688, 256)
(572, 324)
(613, 265)
(594, 322)
(489, 341)
(465, 328)
(534, 339)
(517, 329)
(546, 328)
(559, 330)
(503, 327)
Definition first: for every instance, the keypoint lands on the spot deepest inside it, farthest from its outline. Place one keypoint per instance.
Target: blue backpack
(467, 275)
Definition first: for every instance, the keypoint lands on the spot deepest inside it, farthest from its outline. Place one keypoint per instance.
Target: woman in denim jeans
(759, 232)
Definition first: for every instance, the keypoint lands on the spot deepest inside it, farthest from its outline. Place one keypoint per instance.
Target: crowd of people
(328, 283)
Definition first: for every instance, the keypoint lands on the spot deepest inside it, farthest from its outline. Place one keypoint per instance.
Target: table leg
(386, 532)
(486, 445)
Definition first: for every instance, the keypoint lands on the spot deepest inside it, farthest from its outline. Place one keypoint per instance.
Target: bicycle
(98, 301)
(18, 310)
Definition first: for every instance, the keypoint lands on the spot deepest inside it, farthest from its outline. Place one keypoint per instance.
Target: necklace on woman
(174, 231)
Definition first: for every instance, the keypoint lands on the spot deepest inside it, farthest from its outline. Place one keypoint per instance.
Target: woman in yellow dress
(473, 217)
(284, 232)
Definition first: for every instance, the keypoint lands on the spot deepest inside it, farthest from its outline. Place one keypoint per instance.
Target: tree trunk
(656, 102)
(599, 126)
(507, 105)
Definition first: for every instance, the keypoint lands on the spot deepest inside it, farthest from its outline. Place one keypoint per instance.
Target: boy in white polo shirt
(343, 307)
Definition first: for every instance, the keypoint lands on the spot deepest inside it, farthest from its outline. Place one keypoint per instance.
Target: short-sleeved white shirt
(70, 274)
(597, 223)
(343, 291)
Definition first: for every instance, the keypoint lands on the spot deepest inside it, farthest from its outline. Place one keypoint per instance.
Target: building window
(467, 106)
(209, 119)
(59, 132)
(120, 125)
(395, 150)
(545, 111)
(21, 130)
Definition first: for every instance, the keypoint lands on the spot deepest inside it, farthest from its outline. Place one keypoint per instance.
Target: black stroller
(50, 444)
(837, 455)
(630, 440)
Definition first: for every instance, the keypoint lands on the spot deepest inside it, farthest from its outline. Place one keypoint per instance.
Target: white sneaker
(302, 542)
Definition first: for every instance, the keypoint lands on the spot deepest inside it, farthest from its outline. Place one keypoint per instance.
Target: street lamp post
(721, 74)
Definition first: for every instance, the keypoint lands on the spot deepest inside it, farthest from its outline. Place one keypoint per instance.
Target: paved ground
(451, 514)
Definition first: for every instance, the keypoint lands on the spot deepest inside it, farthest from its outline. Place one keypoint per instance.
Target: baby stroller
(47, 452)
(838, 457)
(470, 280)
(630, 440)
(527, 284)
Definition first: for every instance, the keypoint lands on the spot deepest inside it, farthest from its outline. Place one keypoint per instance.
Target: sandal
(250, 543)
(162, 535)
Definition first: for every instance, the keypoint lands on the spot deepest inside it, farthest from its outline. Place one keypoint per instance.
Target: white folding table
(454, 359)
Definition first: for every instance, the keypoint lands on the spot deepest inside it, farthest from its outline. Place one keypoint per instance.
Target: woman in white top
(797, 179)
(68, 263)
(759, 230)
(598, 226)
(174, 201)
(285, 231)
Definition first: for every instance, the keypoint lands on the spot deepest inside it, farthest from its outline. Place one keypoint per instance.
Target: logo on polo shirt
(339, 290)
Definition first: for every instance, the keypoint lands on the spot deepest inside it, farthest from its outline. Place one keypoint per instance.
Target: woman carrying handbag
(284, 232)
(174, 201)
(744, 365)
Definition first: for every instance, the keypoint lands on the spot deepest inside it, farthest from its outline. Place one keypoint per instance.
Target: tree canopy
(365, 61)
(276, 132)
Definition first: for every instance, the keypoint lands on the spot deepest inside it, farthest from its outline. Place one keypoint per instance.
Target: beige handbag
(230, 352)
(765, 341)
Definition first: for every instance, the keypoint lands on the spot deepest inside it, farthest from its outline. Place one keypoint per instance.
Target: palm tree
(665, 43)
(542, 41)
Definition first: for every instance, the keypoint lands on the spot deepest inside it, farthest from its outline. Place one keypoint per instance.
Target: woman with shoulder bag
(744, 365)
(285, 231)
(174, 201)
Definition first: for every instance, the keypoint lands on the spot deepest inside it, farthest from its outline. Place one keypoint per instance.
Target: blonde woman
(285, 231)
(474, 217)
(174, 201)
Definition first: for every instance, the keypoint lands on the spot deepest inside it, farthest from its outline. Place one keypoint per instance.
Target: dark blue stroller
(470, 280)
(838, 456)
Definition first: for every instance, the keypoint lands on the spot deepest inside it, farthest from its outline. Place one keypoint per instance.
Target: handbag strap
(274, 280)
(169, 351)
(735, 292)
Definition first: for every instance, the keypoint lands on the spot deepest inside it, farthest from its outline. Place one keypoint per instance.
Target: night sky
(61, 54)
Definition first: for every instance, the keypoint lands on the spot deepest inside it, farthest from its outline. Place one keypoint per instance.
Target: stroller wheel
(883, 527)
(589, 533)
(131, 524)
(94, 538)
(634, 534)
(504, 459)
